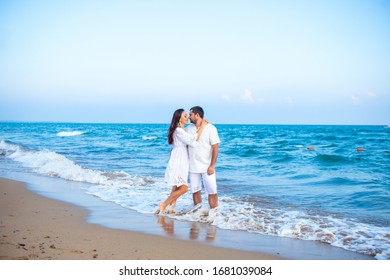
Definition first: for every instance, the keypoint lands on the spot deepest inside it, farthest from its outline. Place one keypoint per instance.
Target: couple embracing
(194, 153)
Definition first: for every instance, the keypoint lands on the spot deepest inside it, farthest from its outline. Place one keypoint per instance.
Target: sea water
(322, 183)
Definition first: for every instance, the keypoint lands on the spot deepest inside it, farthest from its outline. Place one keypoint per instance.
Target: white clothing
(176, 173)
(200, 155)
(209, 182)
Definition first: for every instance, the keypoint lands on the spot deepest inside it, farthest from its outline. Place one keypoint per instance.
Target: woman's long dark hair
(174, 124)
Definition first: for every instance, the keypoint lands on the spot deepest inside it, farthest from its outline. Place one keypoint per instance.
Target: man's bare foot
(171, 209)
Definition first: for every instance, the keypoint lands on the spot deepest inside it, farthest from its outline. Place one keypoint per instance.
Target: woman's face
(184, 118)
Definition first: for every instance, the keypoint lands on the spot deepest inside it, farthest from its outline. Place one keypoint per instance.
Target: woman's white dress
(176, 173)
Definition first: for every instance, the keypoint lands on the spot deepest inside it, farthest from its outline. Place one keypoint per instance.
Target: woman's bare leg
(175, 194)
(173, 203)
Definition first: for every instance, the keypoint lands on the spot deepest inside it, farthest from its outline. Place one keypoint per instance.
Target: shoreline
(161, 234)
(34, 227)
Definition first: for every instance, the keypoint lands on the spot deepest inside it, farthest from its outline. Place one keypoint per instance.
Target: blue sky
(265, 62)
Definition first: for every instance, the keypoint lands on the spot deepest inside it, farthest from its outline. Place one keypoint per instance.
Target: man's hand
(211, 170)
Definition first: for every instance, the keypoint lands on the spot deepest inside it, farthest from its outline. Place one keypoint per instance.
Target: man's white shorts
(209, 182)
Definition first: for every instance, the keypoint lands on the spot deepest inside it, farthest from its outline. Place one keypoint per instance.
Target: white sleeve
(214, 138)
(186, 138)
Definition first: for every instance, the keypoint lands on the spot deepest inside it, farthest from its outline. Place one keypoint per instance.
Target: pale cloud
(370, 94)
(261, 100)
(360, 98)
(356, 100)
(247, 96)
(226, 97)
(289, 100)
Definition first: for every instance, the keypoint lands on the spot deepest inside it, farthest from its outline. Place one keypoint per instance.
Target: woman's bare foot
(162, 207)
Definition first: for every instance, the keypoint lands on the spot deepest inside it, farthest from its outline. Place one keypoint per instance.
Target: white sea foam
(52, 164)
(149, 137)
(8, 147)
(340, 232)
(70, 133)
(236, 214)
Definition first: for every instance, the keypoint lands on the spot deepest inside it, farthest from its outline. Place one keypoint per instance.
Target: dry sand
(33, 227)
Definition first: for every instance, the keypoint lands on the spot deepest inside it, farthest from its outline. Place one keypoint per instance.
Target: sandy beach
(33, 227)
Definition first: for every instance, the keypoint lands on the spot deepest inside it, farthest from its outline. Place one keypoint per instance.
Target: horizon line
(84, 122)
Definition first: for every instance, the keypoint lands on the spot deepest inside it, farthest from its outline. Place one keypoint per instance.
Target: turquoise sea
(323, 183)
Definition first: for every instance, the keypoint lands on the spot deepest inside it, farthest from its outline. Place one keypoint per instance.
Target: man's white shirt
(200, 155)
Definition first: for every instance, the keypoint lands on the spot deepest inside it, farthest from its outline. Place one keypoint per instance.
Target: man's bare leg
(197, 197)
(213, 200)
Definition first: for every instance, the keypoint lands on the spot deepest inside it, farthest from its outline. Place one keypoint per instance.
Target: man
(203, 158)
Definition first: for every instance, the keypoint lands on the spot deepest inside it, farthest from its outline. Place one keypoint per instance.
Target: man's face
(192, 117)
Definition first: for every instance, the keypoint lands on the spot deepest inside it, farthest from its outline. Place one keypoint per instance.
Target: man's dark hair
(198, 110)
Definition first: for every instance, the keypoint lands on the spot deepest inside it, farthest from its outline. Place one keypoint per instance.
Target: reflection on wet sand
(196, 229)
(167, 224)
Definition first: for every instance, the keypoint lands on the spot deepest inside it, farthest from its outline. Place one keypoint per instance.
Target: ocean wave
(149, 138)
(70, 133)
(282, 158)
(331, 159)
(52, 164)
(7, 147)
(240, 215)
(341, 232)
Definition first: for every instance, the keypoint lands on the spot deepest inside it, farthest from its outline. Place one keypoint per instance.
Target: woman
(176, 173)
